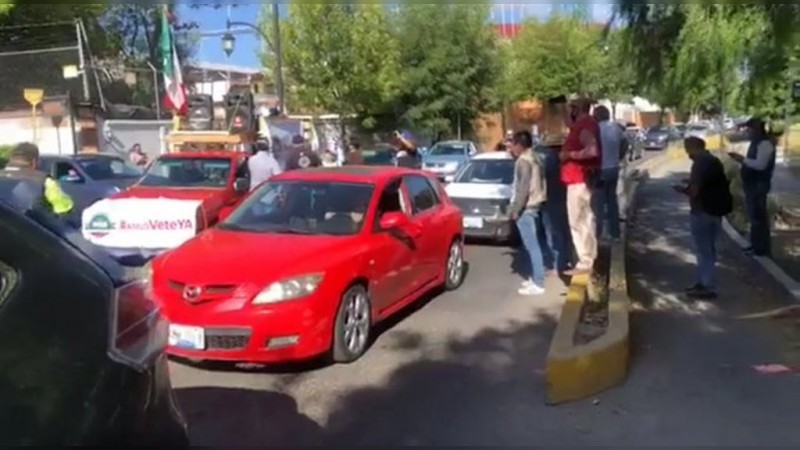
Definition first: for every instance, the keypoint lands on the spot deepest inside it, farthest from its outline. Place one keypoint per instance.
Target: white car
(482, 190)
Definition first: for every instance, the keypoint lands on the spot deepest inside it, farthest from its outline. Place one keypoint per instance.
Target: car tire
(454, 265)
(354, 316)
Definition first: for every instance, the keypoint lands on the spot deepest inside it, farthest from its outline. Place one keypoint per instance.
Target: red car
(308, 264)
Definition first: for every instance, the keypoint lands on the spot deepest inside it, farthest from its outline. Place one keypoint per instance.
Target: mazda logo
(191, 293)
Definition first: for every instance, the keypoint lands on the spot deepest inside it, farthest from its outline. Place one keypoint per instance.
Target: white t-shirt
(263, 166)
(611, 137)
(763, 157)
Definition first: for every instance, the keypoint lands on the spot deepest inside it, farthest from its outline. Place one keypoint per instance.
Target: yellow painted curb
(576, 372)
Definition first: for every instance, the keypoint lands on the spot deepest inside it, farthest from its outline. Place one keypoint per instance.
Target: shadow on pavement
(481, 390)
(239, 417)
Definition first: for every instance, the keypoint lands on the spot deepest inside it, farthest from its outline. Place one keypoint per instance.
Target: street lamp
(228, 43)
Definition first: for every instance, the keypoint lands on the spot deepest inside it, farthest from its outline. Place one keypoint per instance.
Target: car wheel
(454, 266)
(353, 325)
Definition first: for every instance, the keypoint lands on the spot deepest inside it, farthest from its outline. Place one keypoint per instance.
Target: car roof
(492, 156)
(348, 174)
(452, 142)
(81, 156)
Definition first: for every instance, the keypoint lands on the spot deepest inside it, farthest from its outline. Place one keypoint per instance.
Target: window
(448, 150)
(64, 171)
(303, 207)
(188, 172)
(423, 195)
(499, 171)
(243, 171)
(108, 168)
(391, 201)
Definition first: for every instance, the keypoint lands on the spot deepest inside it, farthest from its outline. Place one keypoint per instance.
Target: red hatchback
(308, 264)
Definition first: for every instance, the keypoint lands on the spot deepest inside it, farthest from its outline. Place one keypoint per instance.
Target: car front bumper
(655, 145)
(283, 332)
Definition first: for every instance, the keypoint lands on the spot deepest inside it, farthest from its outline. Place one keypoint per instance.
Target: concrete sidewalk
(693, 380)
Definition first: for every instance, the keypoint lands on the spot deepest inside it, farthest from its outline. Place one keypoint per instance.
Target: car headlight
(289, 289)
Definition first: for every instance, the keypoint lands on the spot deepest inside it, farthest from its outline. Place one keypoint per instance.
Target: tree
(338, 58)
(562, 55)
(449, 65)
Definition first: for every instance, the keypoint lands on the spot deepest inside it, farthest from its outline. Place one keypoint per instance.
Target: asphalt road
(463, 368)
(441, 373)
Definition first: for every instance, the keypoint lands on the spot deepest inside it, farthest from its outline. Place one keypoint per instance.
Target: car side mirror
(393, 220)
(225, 212)
(241, 185)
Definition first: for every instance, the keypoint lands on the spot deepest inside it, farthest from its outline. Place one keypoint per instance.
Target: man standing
(554, 222)
(354, 156)
(407, 154)
(580, 164)
(301, 156)
(606, 202)
(710, 199)
(22, 185)
(262, 165)
(757, 169)
(528, 195)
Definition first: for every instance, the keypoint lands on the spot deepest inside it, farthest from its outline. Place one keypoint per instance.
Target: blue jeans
(556, 242)
(606, 203)
(755, 200)
(528, 232)
(705, 229)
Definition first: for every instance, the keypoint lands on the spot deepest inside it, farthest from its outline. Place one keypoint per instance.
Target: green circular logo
(99, 225)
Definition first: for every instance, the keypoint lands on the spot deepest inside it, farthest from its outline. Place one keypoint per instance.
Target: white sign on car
(128, 223)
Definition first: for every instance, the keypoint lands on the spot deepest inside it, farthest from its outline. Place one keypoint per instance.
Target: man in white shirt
(262, 165)
(758, 165)
(613, 145)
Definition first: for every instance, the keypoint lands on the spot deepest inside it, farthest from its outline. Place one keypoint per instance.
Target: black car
(82, 345)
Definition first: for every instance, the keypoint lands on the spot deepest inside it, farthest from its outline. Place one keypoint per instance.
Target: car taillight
(138, 330)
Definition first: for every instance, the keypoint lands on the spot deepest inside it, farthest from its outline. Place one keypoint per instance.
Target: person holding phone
(710, 199)
(758, 167)
(407, 154)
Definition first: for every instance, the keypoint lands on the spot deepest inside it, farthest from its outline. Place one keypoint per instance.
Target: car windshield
(698, 128)
(448, 150)
(188, 172)
(303, 207)
(657, 130)
(488, 172)
(103, 168)
(378, 157)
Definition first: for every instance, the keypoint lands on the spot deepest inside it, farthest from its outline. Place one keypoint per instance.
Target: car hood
(201, 195)
(479, 191)
(222, 257)
(121, 183)
(444, 159)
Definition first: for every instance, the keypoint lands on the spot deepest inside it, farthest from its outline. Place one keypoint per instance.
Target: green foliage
(5, 154)
(341, 58)
(449, 65)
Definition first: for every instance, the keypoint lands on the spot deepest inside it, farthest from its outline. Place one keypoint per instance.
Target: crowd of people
(564, 191)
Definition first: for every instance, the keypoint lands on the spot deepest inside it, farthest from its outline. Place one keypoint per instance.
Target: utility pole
(82, 62)
(276, 23)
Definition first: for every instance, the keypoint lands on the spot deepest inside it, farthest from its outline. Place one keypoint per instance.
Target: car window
(303, 207)
(487, 172)
(391, 200)
(423, 195)
(243, 171)
(108, 168)
(448, 150)
(188, 172)
(63, 170)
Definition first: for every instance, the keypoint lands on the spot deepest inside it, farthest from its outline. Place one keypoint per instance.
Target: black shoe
(703, 294)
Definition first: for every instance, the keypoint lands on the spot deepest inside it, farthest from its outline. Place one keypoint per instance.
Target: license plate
(193, 338)
(473, 222)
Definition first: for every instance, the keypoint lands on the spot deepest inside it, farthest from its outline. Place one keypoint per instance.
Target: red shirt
(573, 171)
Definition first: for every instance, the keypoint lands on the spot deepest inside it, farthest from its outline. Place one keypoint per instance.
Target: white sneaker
(527, 283)
(531, 290)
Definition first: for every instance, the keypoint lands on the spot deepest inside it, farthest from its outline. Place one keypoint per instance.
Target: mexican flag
(175, 98)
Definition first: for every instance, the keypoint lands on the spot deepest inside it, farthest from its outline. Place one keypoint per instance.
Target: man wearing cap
(22, 185)
(580, 166)
(758, 166)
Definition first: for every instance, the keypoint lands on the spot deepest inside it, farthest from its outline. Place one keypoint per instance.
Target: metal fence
(34, 57)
